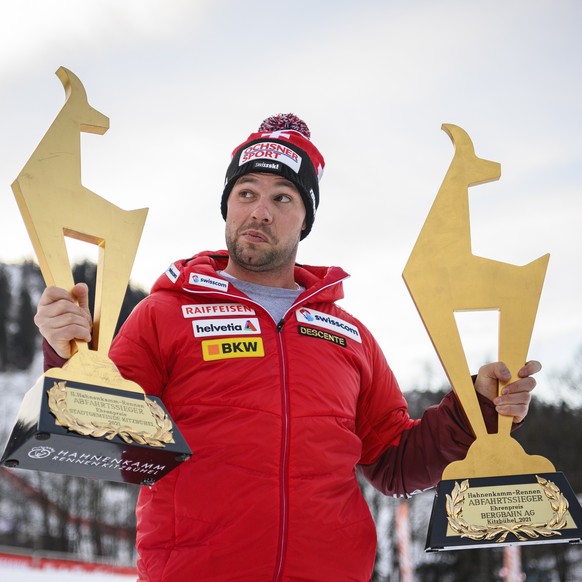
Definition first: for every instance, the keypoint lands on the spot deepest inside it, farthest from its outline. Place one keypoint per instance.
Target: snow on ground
(21, 573)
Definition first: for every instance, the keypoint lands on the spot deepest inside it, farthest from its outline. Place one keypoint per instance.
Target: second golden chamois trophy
(85, 419)
(498, 495)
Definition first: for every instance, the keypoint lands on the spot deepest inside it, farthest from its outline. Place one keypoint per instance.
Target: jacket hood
(200, 274)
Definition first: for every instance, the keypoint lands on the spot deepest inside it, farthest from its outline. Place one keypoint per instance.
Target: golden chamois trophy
(499, 494)
(85, 419)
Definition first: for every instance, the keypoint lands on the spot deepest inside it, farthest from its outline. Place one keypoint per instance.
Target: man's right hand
(62, 317)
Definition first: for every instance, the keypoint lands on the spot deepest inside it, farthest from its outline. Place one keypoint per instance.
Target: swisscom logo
(320, 319)
(206, 281)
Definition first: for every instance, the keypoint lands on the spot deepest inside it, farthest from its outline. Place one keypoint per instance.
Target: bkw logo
(236, 347)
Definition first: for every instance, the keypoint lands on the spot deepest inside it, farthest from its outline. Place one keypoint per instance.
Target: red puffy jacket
(278, 416)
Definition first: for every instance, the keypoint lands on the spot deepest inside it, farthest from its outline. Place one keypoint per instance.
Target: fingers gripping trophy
(85, 419)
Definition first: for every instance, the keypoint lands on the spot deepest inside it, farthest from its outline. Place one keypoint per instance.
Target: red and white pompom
(285, 121)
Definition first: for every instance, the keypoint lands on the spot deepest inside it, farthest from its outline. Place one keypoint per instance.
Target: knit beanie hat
(281, 146)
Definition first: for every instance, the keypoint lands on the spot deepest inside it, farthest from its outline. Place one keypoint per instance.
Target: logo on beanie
(272, 151)
(313, 202)
(267, 166)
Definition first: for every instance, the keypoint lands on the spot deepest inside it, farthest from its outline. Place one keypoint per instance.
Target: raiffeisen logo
(206, 281)
(216, 310)
(327, 321)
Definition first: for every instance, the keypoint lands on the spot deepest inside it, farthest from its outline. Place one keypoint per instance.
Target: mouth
(255, 236)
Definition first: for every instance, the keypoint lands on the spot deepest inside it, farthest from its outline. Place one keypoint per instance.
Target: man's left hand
(515, 397)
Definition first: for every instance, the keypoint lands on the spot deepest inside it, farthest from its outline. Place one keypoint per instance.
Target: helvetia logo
(250, 326)
(214, 327)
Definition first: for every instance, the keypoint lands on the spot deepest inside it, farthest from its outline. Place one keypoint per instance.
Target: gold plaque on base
(85, 419)
(498, 494)
(87, 430)
(498, 511)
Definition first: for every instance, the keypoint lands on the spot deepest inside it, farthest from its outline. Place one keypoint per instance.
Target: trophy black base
(511, 510)
(46, 434)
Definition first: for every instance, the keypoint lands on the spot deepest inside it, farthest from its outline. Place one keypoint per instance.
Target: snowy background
(24, 574)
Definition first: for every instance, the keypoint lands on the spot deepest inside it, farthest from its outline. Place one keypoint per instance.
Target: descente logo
(206, 281)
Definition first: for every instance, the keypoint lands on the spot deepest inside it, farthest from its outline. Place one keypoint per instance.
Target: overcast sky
(184, 82)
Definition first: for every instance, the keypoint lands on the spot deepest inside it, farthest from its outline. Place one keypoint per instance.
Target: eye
(284, 198)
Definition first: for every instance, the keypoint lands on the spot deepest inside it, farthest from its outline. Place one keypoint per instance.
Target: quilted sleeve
(401, 456)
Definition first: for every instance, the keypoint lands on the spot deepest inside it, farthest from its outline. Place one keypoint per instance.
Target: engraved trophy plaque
(85, 419)
(499, 494)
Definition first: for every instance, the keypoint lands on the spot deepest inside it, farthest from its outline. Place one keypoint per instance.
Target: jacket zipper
(285, 442)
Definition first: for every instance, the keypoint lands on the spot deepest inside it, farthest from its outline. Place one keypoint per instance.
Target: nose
(262, 211)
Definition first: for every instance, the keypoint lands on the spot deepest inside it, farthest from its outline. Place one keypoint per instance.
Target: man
(278, 391)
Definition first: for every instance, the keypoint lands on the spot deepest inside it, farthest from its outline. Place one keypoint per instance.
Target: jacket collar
(199, 274)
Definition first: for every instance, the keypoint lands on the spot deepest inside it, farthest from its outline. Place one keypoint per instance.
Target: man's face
(265, 217)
